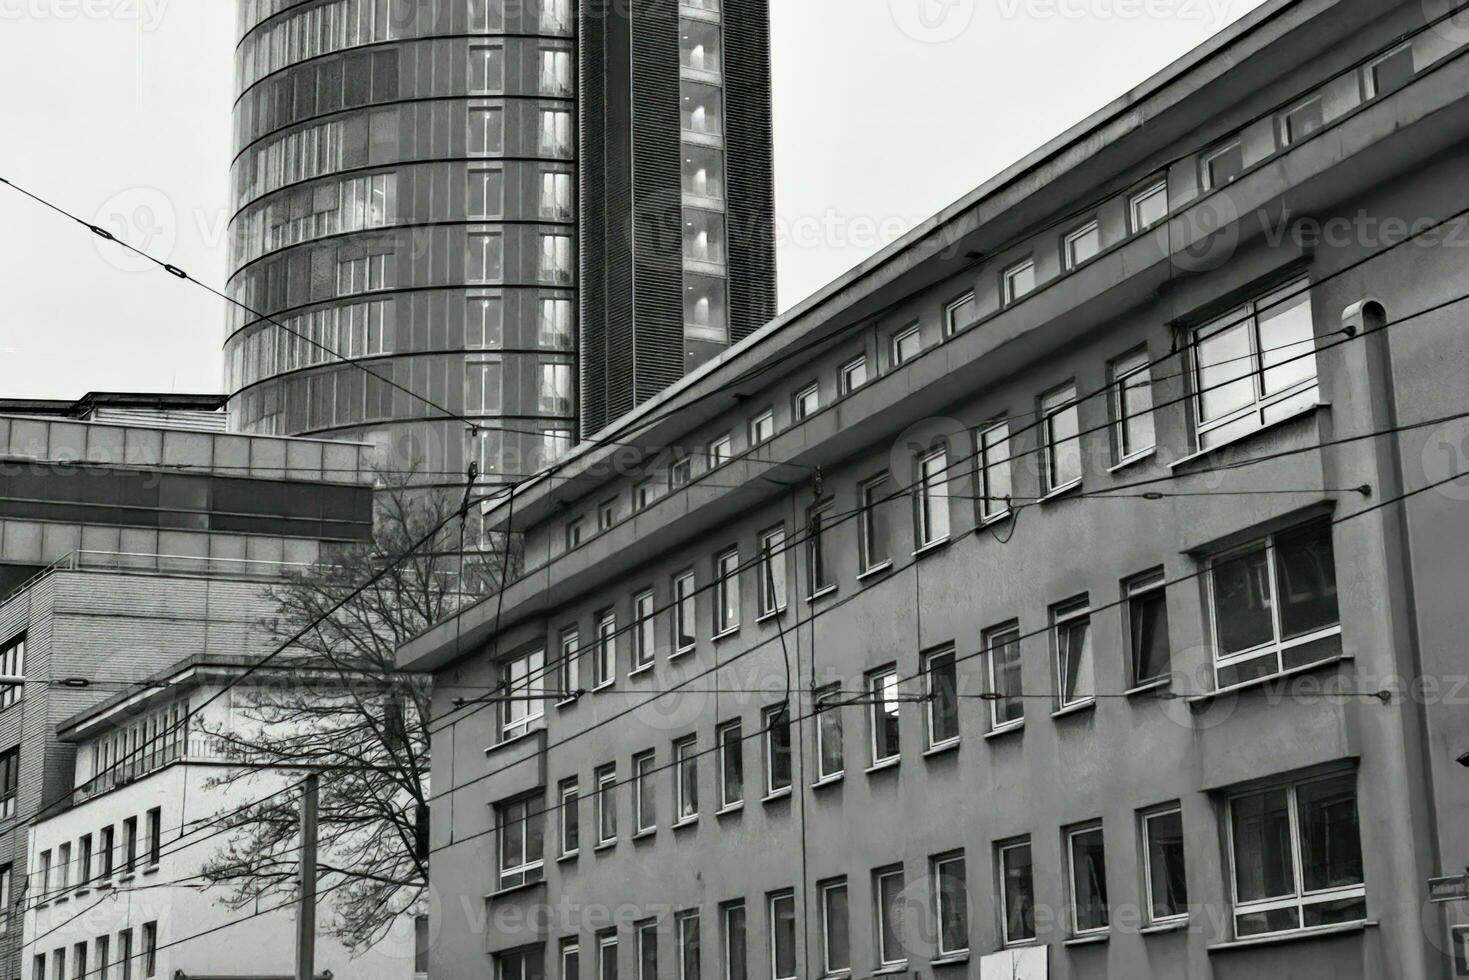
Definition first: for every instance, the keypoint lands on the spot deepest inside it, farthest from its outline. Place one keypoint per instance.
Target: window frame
(1149, 900)
(1215, 152)
(645, 794)
(1142, 195)
(644, 646)
(867, 525)
(604, 661)
(1068, 244)
(932, 521)
(828, 705)
(769, 717)
(728, 913)
(951, 327)
(819, 578)
(1122, 370)
(726, 592)
(568, 644)
(800, 410)
(568, 800)
(932, 696)
(726, 757)
(683, 947)
(605, 809)
(774, 582)
(877, 697)
(1052, 406)
(1063, 615)
(1284, 134)
(880, 912)
(848, 371)
(936, 873)
(897, 340)
(1370, 88)
(1145, 584)
(758, 424)
(771, 899)
(530, 869)
(992, 508)
(720, 450)
(515, 720)
(1002, 850)
(1072, 834)
(685, 780)
(685, 618)
(823, 892)
(1009, 294)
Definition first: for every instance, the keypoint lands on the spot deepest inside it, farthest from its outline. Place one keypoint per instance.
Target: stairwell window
(520, 830)
(1274, 604)
(1296, 854)
(1255, 365)
(933, 498)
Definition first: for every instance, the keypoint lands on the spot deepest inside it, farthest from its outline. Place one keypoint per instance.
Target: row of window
(328, 208)
(128, 964)
(1295, 862)
(92, 861)
(317, 88)
(705, 238)
(551, 16)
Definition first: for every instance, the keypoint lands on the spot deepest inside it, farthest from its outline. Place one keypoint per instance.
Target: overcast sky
(885, 111)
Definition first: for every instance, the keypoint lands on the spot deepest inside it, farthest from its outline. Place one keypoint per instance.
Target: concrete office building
(950, 691)
(125, 549)
(471, 199)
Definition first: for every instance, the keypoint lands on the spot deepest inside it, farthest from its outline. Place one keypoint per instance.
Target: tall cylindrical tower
(404, 194)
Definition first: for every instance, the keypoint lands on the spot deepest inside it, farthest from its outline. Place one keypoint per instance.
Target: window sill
(1074, 709)
(639, 670)
(943, 748)
(1243, 436)
(932, 546)
(151, 869)
(831, 780)
(684, 652)
(124, 879)
(506, 742)
(83, 892)
(732, 631)
(1147, 686)
(876, 570)
(766, 617)
(1061, 491)
(523, 886)
(1163, 928)
(605, 845)
(1133, 460)
(821, 593)
(1294, 936)
(604, 685)
(686, 822)
(569, 856)
(884, 765)
(888, 969)
(1014, 728)
(951, 959)
(568, 702)
(61, 900)
(994, 519)
(1202, 699)
(644, 834)
(780, 794)
(730, 810)
(1088, 939)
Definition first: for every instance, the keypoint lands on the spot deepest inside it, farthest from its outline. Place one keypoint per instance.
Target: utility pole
(306, 916)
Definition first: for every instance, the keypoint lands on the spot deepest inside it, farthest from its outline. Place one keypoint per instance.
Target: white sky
(885, 111)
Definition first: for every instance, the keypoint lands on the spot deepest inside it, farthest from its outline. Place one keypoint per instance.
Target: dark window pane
(1305, 571)
(1019, 894)
(1331, 913)
(783, 935)
(954, 896)
(1089, 880)
(1275, 920)
(1242, 602)
(1148, 618)
(1262, 848)
(944, 708)
(1331, 847)
(836, 933)
(1165, 865)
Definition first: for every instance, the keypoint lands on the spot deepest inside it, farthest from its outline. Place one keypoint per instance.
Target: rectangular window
(882, 718)
(941, 688)
(9, 780)
(703, 174)
(486, 70)
(555, 133)
(1017, 281)
(12, 664)
(63, 867)
(486, 131)
(731, 764)
(732, 937)
(569, 809)
(482, 386)
(1132, 406)
(645, 794)
(129, 843)
(887, 886)
(705, 308)
(721, 451)
(485, 257)
(1148, 206)
(951, 904)
(1071, 626)
(1147, 628)
(933, 498)
(726, 592)
(873, 536)
(686, 930)
(486, 193)
(806, 402)
(150, 949)
(520, 825)
(524, 702)
(836, 933)
(79, 960)
(555, 73)
(1165, 884)
(1302, 120)
(1296, 853)
(1017, 893)
(606, 804)
(605, 664)
(782, 906)
(1392, 71)
(830, 762)
(772, 571)
(106, 847)
(607, 956)
(961, 314)
(994, 472)
(1223, 164)
(1254, 365)
(570, 960)
(607, 515)
(762, 427)
(570, 667)
(84, 863)
(154, 839)
(556, 264)
(1061, 438)
(554, 323)
(1274, 604)
(125, 953)
(575, 531)
(684, 613)
(642, 630)
(1082, 244)
(777, 725)
(685, 779)
(103, 946)
(819, 574)
(853, 375)
(1002, 648)
(554, 395)
(1086, 860)
(906, 345)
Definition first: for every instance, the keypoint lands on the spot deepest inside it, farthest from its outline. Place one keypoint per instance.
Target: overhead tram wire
(838, 519)
(1399, 498)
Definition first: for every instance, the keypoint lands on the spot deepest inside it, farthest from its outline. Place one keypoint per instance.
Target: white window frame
(606, 804)
(643, 647)
(522, 709)
(644, 793)
(681, 921)
(884, 696)
(884, 957)
(685, 780)
(685, 618)
(680, 473)
(727, 912)
(1071, 868)
(1287, 137)
(1144, 195)
(1001, 850)
(569, 645)
(931, 702)
(951, 326)
(819, 577)
(604, 663)
(570, 948)
(606, 941)
(1277, 646)
(768, 739)
(774, 583)
(721, 450)
(1062, 617)
(1370, 88)
(726, 592)
(1136, 587)
(1009, 292)
(937, 866)
(1144, 824)
(1053, 404)
(722, 739)
(899, 339)
(1073, 238)
(850, 370)
(931, 498)
(1126, 371)
(806, 402)
(994, 439)
(873, 495)
(824, 891)
(1301, 898)
(762, 428)
(530, 868)
(770, 903)
(829, 707)
(568, 799)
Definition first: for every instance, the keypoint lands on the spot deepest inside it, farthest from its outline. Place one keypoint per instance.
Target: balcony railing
(131, 770)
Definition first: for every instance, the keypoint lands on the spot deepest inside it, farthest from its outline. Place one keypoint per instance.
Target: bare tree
(339, 705)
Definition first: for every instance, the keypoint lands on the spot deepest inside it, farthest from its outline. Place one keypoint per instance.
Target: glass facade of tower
(405, 201)
(701, 131)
